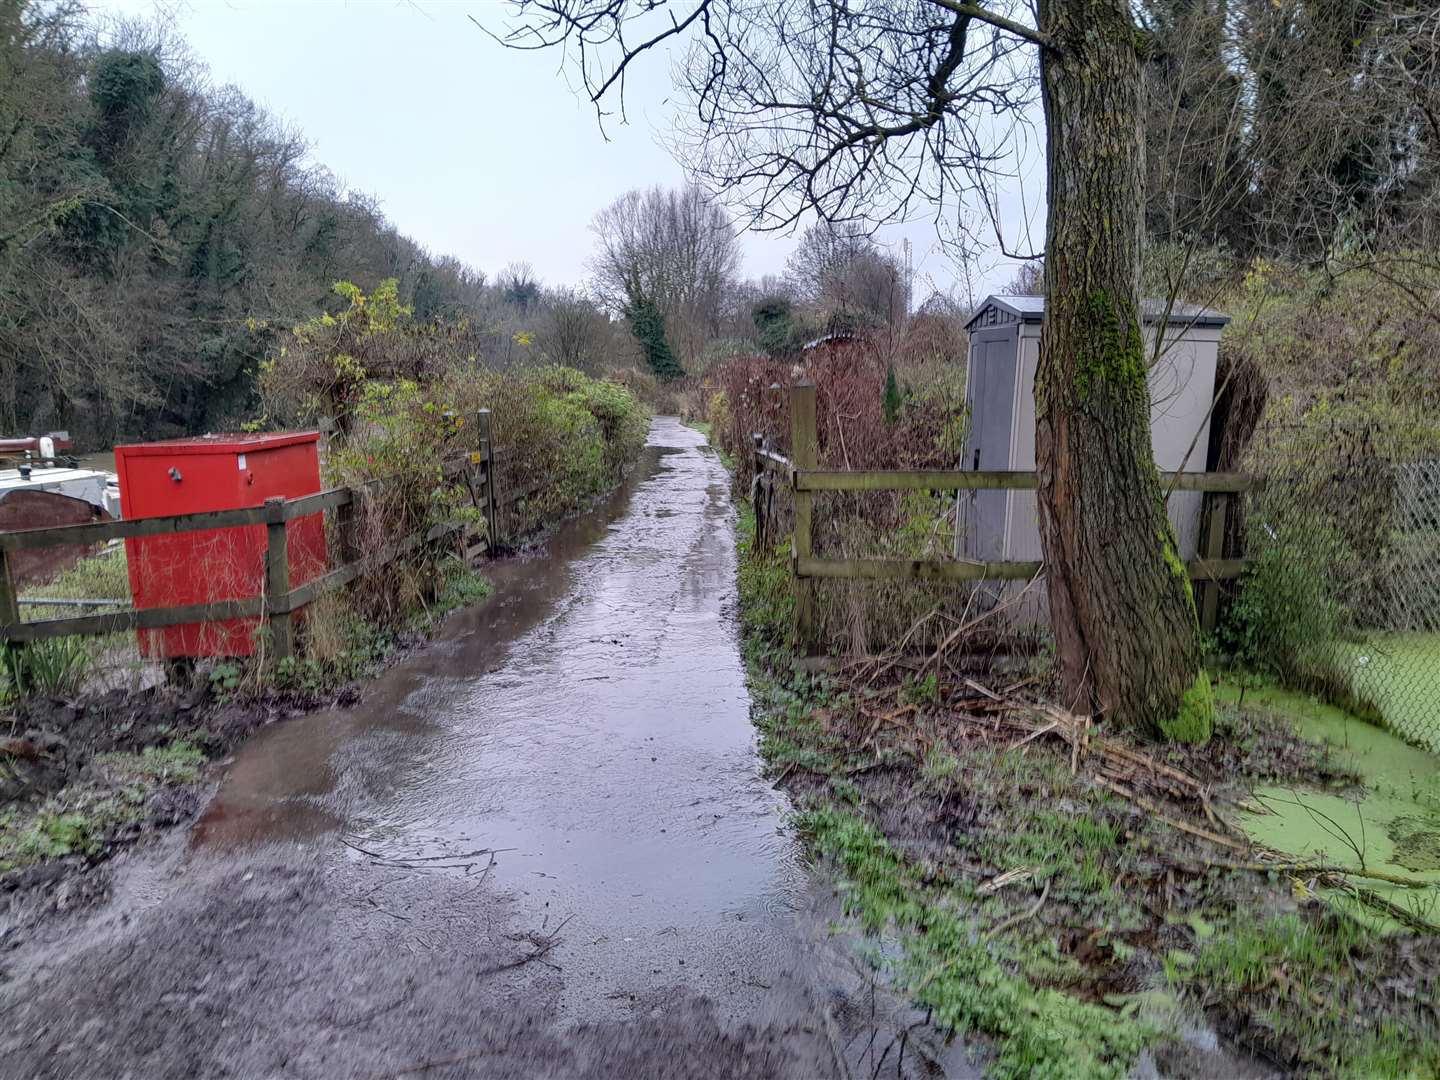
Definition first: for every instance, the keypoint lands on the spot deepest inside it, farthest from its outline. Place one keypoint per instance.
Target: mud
(55, 739)
(539, 847)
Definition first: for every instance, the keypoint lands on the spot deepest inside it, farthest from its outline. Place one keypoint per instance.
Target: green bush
(1285, 611)
(561, 430)
(404, 396)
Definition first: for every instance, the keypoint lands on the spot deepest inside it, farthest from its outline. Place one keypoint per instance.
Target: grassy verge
(64, 666)
(114, 794)
(707, 429)
(1073, 930)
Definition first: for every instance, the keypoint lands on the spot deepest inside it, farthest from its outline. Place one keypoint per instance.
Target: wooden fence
(476, 470)
(801, 475)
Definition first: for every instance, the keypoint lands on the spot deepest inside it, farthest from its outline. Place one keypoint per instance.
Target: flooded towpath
(541, 846)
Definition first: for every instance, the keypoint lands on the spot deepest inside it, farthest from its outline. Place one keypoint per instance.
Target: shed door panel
(992, 420)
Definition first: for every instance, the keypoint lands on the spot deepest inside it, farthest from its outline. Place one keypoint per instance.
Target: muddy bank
(1053, 903)
(1083, 904)
(538, 847)
(54, 739)
(84, 781)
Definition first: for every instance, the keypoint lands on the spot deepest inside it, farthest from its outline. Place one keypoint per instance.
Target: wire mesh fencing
(1343, 591)
(1396, 668)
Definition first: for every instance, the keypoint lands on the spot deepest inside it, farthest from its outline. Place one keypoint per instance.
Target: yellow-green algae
(1399, 674)
(1391, 825)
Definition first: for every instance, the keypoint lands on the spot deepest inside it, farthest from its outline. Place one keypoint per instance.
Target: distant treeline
(157, 234)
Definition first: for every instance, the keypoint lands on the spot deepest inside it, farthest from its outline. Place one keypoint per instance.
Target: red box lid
(238, 443)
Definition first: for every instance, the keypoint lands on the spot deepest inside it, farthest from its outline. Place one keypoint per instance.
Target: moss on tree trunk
(1123, 617)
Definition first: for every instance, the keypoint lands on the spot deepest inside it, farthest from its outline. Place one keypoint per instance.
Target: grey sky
(472, 149)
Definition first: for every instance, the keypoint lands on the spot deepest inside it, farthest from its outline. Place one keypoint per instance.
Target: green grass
(767, 595)
(58, 667)
(971, 983)
(113, 792)
(61, 666)
(100, 577)
(460, 586)
(1298, 974)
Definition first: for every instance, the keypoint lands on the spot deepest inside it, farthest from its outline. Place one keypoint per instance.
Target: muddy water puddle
(540, 846)
(582, 744)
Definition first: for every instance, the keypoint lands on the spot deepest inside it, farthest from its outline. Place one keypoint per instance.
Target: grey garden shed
(1000, 392)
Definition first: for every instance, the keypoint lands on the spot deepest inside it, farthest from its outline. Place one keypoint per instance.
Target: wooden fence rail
(804, 479)
(278, 600)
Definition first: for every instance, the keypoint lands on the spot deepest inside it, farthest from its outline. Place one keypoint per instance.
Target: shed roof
(997, 310)
(830, 339)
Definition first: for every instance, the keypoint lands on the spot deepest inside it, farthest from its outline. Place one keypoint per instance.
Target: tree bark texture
(1120, 600)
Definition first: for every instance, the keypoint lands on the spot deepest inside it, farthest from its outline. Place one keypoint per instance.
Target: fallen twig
(433, 1063)
(542, 946)
(439, 862)
(1370, 898)
(1175, 823)
(1035, 735)
(464, 855)
(973, 685)
(1324, 869)
(970, 624)
(1009, 877)
(363, 851)
(1020, 916)
(386, 911)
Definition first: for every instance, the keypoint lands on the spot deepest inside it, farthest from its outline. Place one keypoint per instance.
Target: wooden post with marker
(805, 454)
(487, 455)
(277, 578)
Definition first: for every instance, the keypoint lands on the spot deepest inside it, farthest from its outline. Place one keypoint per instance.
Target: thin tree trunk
(1120, 601)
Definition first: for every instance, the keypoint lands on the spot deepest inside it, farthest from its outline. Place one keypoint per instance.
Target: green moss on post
(1177, 567)
(1195, 719)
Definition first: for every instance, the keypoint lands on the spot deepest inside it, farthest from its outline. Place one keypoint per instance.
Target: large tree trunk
(1120, 600)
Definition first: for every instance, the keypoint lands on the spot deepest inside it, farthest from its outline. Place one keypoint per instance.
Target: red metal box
(215, 472)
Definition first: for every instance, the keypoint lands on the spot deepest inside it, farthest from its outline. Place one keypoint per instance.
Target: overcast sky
(472, 149)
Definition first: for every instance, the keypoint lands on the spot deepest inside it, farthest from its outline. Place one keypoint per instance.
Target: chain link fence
(1396, 669)
(1343, 595)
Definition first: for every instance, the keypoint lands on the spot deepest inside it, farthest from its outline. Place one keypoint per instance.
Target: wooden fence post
(1214, 514)
(9, 611)
(805, 455)
(757, 493)
(277, 578)
(346, 521)
(487, 455)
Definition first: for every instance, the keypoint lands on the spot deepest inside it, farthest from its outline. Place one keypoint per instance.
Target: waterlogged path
(539, 847)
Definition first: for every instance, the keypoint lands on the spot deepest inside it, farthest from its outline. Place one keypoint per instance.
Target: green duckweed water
(1400, 675)
(1392, 825)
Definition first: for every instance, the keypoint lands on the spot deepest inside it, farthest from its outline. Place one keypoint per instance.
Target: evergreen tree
(647, 323)
(893, 397)
(774, 319)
